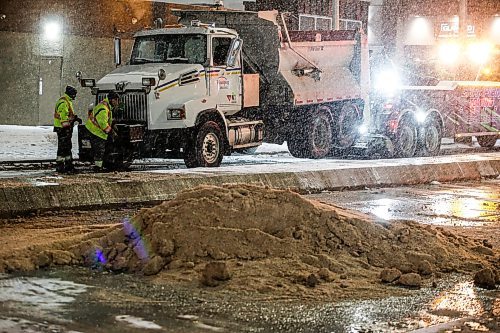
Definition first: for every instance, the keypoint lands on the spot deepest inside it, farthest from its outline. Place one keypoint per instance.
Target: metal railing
(346, 24)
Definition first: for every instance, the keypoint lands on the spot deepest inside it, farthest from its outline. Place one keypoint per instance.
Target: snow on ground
(40, 143)
(30, 143)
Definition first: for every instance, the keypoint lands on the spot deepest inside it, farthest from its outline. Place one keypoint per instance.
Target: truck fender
(196, 107)
(217, 116)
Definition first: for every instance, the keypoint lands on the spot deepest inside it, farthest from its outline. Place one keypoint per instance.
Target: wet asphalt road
(81, 300)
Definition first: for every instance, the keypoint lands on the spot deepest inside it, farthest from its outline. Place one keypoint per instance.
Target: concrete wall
(84, 42)
(20, 60)
(19, 65)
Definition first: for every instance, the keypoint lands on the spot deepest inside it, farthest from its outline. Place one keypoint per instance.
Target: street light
(52, 31)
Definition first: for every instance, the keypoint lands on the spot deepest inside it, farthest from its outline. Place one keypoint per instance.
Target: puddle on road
(458, 206)
(45, 296)
(51, 302)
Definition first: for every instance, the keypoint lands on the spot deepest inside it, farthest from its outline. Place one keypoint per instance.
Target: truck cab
(178, 81)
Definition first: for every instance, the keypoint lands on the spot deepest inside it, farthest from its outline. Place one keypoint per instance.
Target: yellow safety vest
(100, 119)
(63, 113)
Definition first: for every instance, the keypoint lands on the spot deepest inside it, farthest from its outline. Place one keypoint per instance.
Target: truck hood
(131, 76)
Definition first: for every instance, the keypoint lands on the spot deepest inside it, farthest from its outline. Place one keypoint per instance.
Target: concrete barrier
(83, 191)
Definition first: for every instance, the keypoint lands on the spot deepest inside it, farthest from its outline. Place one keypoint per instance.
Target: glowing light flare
(363, 129)
(468, 208)
(383, 209)
(388, 82)
(133, 233)
(479, 52)
(420, 32)
(100, 258)
(461, 298)
(52, 31)
(476, 209)
(449, 53)
(495, 27)
(486, 71)
(420, 115)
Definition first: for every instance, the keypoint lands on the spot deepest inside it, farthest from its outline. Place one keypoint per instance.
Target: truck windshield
(182, 48)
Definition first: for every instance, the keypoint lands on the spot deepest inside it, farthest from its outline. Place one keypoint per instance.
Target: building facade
(44, 43)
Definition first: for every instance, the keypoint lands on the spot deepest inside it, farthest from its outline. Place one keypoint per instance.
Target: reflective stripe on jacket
(100, 119)
(63, 113)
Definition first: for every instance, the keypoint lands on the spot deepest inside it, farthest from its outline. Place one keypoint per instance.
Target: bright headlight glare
(388, 81)
(449, 53)
(479, 52)
(420, 116)
(363, 129)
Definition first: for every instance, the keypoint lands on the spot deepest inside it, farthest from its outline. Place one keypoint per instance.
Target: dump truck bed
(295, 67)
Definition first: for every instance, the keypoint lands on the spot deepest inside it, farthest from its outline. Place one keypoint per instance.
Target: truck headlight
(88, 83)
(449, 53)
(388, 82)
(420, 115)
(176, 114)
(148, 81)
(479, 52)
(363, 129)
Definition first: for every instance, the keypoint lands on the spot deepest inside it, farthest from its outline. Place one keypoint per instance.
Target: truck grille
(135, 106)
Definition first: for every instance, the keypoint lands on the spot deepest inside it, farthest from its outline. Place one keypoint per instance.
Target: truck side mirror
(118, 51)
(236, 45)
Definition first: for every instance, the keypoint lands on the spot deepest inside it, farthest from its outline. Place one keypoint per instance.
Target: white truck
(201, 91)
(225, 81)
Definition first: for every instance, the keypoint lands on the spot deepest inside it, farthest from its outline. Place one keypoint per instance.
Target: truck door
(225, 81)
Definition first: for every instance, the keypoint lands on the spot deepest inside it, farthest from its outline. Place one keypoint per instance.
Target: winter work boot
(69, 167)
(98, 166)
(60, 167)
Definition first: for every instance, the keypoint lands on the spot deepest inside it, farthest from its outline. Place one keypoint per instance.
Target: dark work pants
(98, 149)
(64, 142)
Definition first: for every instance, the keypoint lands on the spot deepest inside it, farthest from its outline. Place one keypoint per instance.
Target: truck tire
(430, 139)
(320, 135)
(345, 126)
(296, 146)
(119, 165)
(487, 141)
(312, 135)
(405, 140)
(205, 149)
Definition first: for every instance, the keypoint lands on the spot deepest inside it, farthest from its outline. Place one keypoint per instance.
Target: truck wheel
(405, 141)
(312, 136)
(345, 126)
(430, 140)
(296, 146)
(319, 135)
(487, 141)
(206, 148)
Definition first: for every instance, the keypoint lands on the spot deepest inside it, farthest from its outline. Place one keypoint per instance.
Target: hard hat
(113, 95)
(71, 91)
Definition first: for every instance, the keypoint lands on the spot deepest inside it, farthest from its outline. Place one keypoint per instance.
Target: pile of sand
(268, 239)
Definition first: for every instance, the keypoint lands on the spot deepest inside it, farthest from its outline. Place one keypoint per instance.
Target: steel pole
(462, 19)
